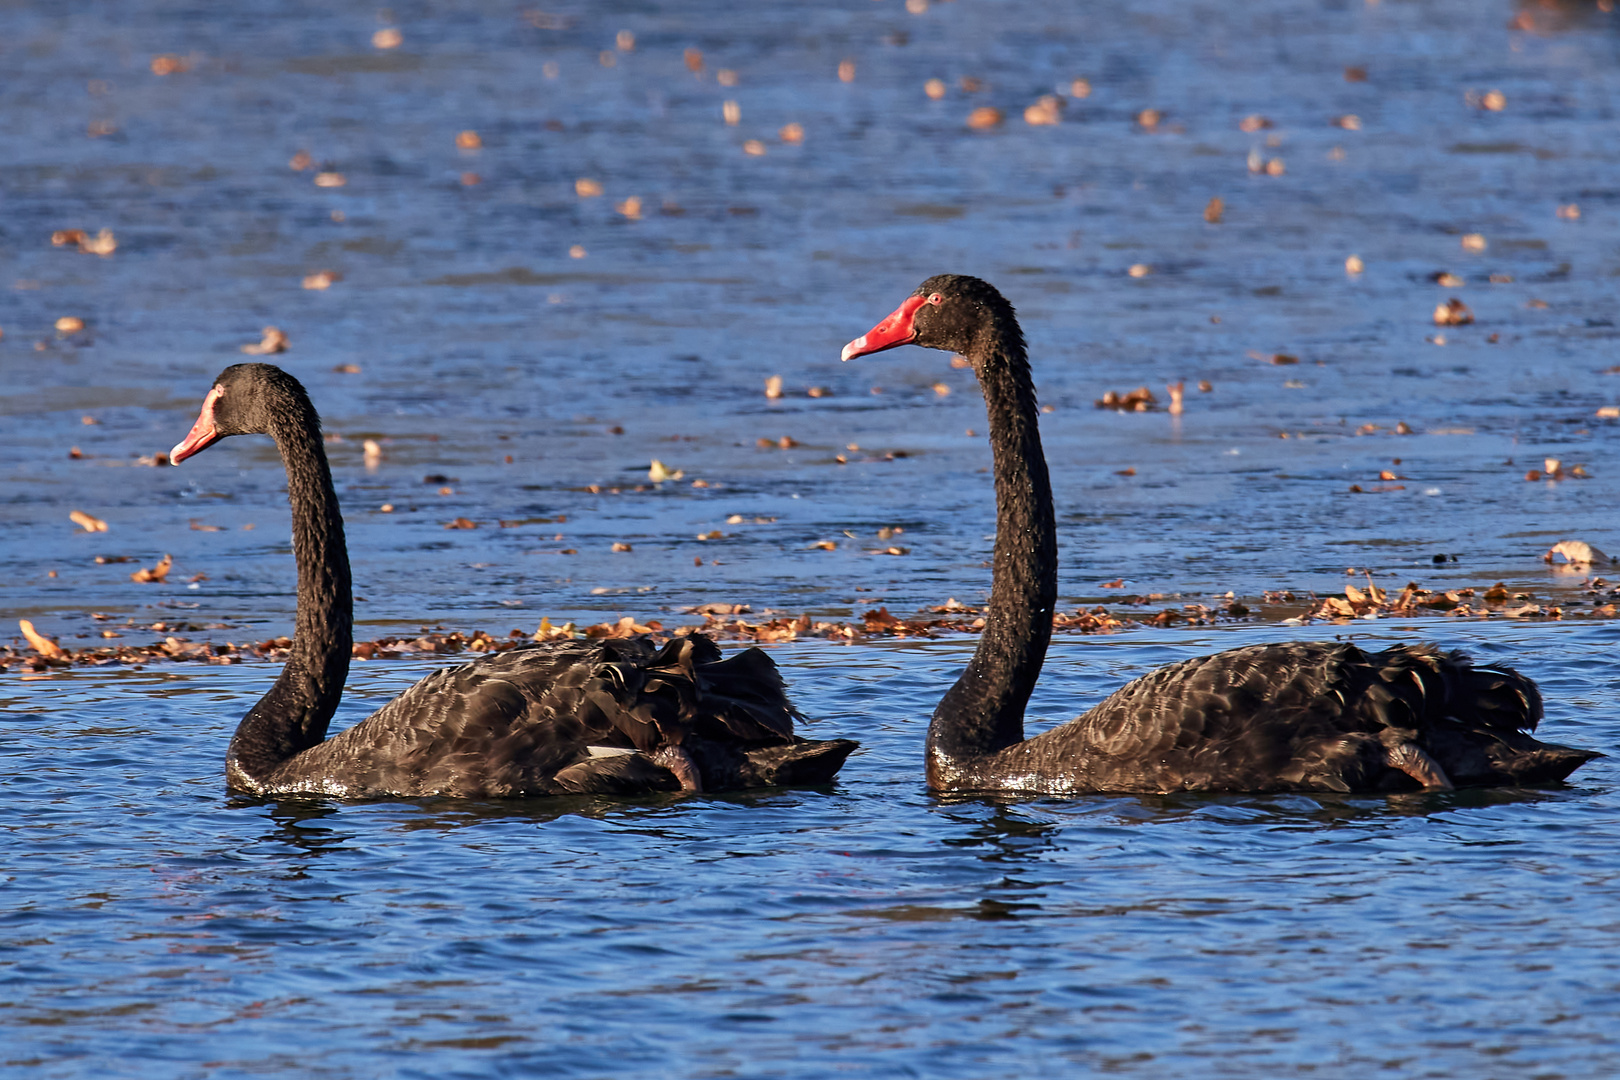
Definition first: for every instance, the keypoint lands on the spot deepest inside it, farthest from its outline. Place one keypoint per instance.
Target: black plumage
(612, 716)
(1309, 716)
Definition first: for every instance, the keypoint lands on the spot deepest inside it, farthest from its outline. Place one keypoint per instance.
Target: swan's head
(247, 399)
(948, 311)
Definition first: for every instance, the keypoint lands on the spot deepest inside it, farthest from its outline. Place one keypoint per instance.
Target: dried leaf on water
(1576, 551)
(322, 279)
(156, 574)
(1046, 111)
(87, 522)
(1139, 400)
(984, 117)
(659, 472)
(272, 341)
(461, 523)
(1453, 313)
(103, 243)
(1214, 210)
(42, 644)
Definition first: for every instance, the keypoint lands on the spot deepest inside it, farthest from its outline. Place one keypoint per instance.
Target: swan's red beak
(896, 330)
(203, 433)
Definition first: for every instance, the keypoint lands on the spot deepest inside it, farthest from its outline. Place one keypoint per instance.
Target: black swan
(1305, 716)
(617, 717)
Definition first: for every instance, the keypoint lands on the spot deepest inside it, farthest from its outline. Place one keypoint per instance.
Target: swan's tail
(807, 762)
(730, 717)
(1474, 721)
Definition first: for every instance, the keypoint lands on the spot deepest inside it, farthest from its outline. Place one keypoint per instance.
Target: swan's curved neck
(294, 715)
(984, 711)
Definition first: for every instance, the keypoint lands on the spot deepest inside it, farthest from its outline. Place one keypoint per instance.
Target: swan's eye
(936, 299)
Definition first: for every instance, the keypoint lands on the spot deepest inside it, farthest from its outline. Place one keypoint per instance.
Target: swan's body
(619, 717)
(1311, 716)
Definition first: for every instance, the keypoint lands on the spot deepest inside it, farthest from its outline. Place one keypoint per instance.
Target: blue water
(156, 926)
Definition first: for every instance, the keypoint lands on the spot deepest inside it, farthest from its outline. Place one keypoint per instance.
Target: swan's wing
(685, 689)
(524, 722)
(501, 725)
(1312, 715)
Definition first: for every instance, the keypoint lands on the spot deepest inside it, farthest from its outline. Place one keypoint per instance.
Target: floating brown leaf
(42, 645)
(155, 575)
(1453, 313)
(103, 243)
(1046, 111)
(1576, 551)
(271, 341)
(87, 522)
(984, 117)
(1139, 400)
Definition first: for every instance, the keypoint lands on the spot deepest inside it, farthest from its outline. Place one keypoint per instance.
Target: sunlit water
(156, 926)
(478, 337)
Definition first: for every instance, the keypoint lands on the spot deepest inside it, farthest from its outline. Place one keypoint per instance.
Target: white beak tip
(854, 348)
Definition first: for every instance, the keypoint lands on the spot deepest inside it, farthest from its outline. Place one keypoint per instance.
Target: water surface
(156, 926)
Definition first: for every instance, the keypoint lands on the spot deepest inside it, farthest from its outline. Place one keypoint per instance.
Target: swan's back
(570, 717)
(1308, 716)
